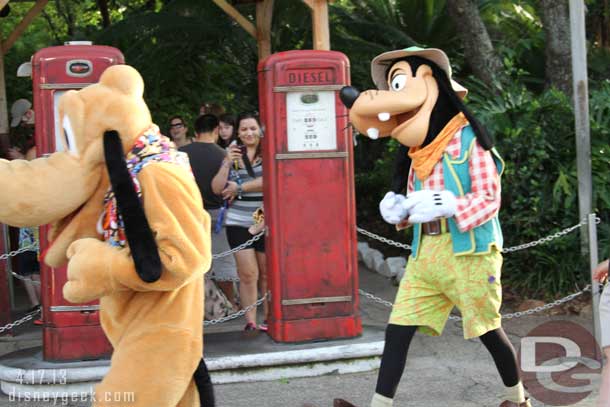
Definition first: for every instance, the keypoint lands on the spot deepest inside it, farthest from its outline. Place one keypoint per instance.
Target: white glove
(426, 205)
(392, 208)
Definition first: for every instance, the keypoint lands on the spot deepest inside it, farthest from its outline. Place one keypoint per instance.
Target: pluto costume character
(452, 176)
(141, 246)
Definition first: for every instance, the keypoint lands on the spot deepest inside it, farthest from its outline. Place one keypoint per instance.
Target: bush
(535, 134)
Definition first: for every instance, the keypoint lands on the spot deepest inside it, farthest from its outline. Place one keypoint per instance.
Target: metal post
(5, 278)
(4, 127)
(595, 294)
(581, 113)
(9, 264)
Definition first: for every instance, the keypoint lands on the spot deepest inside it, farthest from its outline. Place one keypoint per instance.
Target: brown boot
(342, 403)
(507, 403)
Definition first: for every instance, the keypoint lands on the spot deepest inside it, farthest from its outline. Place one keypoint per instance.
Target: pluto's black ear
(139, 235)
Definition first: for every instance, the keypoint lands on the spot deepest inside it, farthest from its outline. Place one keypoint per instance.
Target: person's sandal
(507, 403)
(263, 327)
(342, 403)
(250, 327)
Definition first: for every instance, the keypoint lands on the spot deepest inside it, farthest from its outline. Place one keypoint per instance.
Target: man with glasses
(178, 131)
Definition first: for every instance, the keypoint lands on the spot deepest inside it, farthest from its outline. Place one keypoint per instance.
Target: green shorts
(437, 281)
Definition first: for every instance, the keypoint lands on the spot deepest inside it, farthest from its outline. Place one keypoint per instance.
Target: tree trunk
(63, 10)
(478, 49)
(103, 6)
(603, 23)
(555, 16)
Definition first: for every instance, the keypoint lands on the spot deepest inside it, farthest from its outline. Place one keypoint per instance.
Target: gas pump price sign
(311, 121)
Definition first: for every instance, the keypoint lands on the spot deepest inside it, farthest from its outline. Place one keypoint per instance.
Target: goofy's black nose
(348, 95)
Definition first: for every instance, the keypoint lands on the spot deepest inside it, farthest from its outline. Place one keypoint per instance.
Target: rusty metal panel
(309, 197)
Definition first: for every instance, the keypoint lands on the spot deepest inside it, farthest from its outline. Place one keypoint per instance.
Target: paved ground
(445, 371)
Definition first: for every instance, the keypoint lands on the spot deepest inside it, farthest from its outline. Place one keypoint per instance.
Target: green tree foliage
(535, 134)
(188, 53)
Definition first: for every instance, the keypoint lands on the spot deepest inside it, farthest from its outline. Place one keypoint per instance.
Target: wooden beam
(31, 14)
(3, 3)
(264, 16)
(321, 32)
(233, 13)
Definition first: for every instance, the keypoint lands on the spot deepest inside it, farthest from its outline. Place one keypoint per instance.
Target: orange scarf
(424, 159)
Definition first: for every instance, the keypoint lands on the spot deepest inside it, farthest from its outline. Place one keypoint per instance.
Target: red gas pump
(309, 197)
(70, 332)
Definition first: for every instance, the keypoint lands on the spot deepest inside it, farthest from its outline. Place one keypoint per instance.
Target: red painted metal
(309, 204)
(70, 331)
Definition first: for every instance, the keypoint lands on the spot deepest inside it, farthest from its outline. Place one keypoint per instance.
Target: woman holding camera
(240, 180)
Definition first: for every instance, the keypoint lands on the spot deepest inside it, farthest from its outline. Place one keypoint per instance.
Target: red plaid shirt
(483, 202)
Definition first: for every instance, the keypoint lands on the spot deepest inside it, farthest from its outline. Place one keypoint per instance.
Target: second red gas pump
(70, 332)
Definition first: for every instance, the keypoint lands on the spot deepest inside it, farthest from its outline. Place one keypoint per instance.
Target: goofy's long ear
(139, 235)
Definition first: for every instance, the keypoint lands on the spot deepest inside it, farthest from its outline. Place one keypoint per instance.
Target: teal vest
(457, 180)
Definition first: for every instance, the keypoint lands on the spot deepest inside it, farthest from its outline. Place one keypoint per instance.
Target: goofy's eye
(398, 81)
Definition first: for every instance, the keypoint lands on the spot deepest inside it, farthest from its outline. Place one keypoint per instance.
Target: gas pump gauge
(311, 122)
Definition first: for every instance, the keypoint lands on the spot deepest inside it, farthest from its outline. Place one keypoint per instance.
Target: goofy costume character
(451, 173)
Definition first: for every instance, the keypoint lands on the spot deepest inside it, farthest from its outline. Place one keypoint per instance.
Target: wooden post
(3, 3)
(264, 15)
(23, 24)
(581, 115)
(241, 20)
(319, 19)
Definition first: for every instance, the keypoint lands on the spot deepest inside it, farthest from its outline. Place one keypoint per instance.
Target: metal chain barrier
(383, 239)
(33, 247)
(214, 256)
(375, 299)
(549, 305)
(550, 237)
(506, 316)
(23, 320)
(505, 250)
(237, 314)
(362, 231)
(240, 247)
(16, 252)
